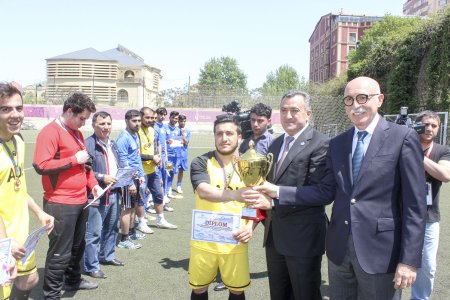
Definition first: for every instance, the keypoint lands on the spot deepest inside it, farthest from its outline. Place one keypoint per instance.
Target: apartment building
(334, 36)
(423, 7)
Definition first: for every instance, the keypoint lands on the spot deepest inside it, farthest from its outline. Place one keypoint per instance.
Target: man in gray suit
(294, 235)
(375, 176)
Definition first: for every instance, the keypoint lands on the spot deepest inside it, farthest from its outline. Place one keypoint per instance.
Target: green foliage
(438, 67)
(410, 58)
(285, 78)
(375, 55)
(334, 87)
(221, 74)
(29, 98)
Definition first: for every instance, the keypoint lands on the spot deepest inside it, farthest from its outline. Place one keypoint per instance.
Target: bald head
(367, 84)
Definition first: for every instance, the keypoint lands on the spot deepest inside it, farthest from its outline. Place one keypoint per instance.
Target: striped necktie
(287, 141)
(358, 155)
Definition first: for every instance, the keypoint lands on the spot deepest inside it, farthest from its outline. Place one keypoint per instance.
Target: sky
(178, 37)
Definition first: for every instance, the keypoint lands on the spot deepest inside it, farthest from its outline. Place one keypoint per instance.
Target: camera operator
(437, 167)
(260, 115)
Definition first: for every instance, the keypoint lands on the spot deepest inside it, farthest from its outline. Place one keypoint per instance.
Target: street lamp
(37, 85)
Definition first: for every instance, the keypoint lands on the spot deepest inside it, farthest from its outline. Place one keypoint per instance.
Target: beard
(227, 152)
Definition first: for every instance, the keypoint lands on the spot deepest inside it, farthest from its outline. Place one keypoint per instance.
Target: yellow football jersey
(147, 139)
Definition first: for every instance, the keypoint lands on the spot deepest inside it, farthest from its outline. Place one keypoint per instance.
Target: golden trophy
(253, 168)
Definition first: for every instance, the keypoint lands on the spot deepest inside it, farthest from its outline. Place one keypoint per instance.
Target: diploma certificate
(214, 227)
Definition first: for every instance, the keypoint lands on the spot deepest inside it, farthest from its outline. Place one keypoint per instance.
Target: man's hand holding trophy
(253, 168)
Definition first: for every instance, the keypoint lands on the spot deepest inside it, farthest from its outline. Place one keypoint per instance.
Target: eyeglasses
(361, 99)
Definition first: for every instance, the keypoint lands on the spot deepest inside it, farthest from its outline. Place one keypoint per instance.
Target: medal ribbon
(225, 181)
(16, 166)
(74, 134)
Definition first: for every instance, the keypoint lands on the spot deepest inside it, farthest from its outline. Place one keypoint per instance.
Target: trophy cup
(253, 168)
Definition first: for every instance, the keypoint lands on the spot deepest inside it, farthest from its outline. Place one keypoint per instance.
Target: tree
(284, 79)
(410, 59)
(377, 49)
(222, 74)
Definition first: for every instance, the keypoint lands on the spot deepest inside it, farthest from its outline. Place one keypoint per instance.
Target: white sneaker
(163, 224)
(142, 227)
(166, 200)
(168, 208)
(179, 190)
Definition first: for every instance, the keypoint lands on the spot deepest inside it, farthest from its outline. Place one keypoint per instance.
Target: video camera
(243, 118)
(403, 119)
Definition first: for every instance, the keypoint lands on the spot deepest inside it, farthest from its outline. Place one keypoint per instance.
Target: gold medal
(17, 184)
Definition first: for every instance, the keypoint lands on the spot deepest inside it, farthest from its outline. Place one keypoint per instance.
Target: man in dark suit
(376, 180)
(294, 235)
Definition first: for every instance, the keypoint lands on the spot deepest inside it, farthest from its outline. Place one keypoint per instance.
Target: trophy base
(253, 214)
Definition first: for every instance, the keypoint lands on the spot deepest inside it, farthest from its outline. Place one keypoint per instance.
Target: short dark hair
(181, 117)
(174, 113)
(262, 110)
(306, 97)
(144, 109)
(227, 118)
(132, 113)
(102, 114)
(429, 114)
(78, 102)
(161, 111)
(7, 90)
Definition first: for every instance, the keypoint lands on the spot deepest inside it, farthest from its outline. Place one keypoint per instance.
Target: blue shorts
(182, 163)
(154, 185)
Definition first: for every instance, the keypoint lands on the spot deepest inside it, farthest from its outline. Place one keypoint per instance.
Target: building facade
(423, 7)
(334, 36)
(113, 77)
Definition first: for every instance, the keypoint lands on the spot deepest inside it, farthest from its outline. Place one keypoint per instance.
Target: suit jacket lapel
(275, 150)
(299, 144)
(347, 152)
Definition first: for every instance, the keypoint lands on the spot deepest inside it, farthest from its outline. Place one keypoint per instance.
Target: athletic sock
(160, 217)
(232, 296)
(124, 237)
(202, 296)
(17, 294)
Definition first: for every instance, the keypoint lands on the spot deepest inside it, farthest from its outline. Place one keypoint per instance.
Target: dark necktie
(358, 155)
(287, 141)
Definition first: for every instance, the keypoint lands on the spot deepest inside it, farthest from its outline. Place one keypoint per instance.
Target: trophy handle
(269, 164)
(234, 163)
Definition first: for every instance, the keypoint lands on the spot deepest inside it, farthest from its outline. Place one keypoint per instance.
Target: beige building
(423, 7)
(113, 77)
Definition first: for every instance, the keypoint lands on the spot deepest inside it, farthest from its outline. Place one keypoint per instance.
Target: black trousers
(65, 248)
(292, 277)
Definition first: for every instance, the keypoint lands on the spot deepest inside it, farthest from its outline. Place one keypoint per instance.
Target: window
(128, 76)
(352, 38)
(122, 96)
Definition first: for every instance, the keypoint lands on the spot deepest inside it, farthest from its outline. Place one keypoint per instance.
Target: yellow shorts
(29, 267)
(233, 268)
